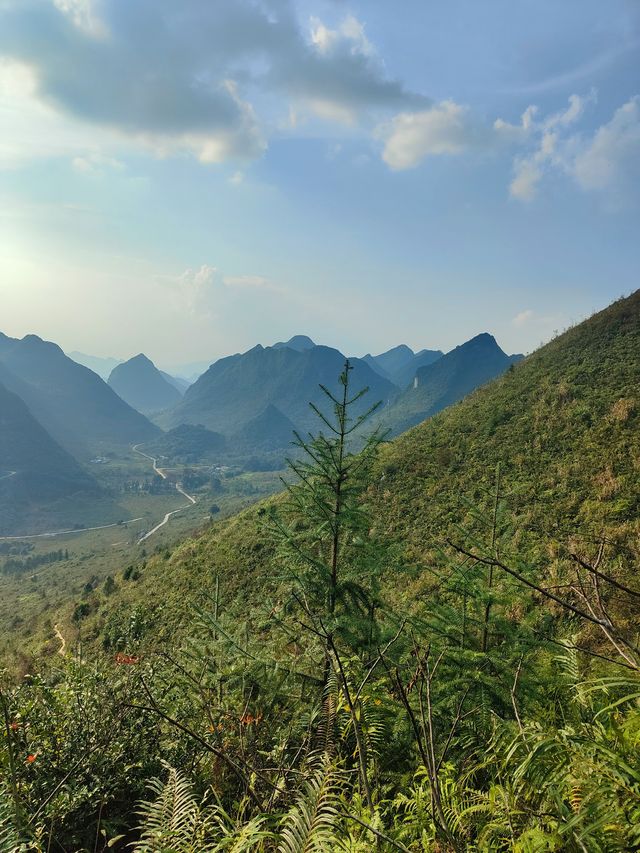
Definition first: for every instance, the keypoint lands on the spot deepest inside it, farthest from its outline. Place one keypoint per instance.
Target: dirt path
(58, 633)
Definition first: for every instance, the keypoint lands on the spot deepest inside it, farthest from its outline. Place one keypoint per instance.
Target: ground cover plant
(428, 645)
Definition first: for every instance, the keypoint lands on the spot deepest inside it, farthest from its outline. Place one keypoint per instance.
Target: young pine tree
(324, 530)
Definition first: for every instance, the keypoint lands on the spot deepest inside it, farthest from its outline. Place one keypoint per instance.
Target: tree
(324, 528)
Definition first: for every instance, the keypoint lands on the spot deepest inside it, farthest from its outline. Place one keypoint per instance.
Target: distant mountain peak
(297, 342)
(482, 338)
(140, 384)
(402, 351)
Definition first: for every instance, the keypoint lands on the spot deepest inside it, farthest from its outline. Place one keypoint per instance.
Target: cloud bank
(193, 75)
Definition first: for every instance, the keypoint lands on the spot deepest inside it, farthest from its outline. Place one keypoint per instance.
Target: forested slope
(428, 647)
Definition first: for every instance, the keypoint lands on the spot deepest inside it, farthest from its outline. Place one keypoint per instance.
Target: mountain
(75, 406)
(35, 471)
(297, 342)
(389, 362)
(178, 382)
(270, 430)
(140, 384)
(399, 365)
(404, 376)
(563, 425)
(240, 387)
(101, 366)
(188, 443)
(537, 466)
(447, 381)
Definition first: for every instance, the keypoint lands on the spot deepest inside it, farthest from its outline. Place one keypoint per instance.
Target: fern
(175, 822)
(10, 841)
(310, 825)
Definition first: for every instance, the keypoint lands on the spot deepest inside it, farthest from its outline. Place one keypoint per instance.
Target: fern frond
(310, 825)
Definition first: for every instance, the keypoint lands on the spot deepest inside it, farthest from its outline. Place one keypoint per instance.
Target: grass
(30, 602)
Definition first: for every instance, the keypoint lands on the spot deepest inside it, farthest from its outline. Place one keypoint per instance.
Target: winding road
(67, 532)
(179, 488)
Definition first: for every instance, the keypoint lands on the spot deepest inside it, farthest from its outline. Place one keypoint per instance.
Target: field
(42, 574)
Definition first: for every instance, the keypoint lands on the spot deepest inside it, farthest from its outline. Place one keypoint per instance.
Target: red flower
(127, 660)
(15, 726)
(31, 758)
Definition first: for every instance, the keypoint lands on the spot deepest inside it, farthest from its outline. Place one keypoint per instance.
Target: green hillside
(447, 380)
(399, 654)
(563, 424)
(270, 430)
(188, 443)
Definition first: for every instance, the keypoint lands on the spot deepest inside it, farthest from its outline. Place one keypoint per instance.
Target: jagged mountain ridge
(238, 388)
(447, 380)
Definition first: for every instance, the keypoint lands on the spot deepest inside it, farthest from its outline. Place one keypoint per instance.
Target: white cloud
(524, 185)
(350, 31)
(523, 318)
(529, 169)
(194, 289)
(208, 78)
(516, 132)
(606, 160)
(83, 14)
(205, 291)
(410, 137)
(612, 156)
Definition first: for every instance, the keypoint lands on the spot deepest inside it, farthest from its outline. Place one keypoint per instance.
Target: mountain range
(76, 407)
(447, 380)
(238, 388)
(400, 364)
(242, 411)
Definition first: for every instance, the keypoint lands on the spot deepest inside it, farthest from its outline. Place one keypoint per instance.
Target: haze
(190, 180)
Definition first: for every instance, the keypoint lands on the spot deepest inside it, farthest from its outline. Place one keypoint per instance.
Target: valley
(437, 532)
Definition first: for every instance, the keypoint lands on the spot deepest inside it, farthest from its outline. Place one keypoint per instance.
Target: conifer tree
(324, 531)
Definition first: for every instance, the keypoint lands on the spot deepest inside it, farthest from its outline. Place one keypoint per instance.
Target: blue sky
(188, 179)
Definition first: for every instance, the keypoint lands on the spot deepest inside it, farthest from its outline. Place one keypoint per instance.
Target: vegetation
(430, 645)
(239, 388)
(440, 382)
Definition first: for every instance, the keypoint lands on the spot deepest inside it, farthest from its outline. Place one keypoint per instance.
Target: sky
(191, 178)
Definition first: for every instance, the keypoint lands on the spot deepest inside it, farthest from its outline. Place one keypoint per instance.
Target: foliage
(427, 646)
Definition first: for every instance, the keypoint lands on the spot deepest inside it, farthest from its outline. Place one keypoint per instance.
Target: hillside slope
(75, 406)
(447, 380)
(473, 681)
(35, 472)
(565, 427)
